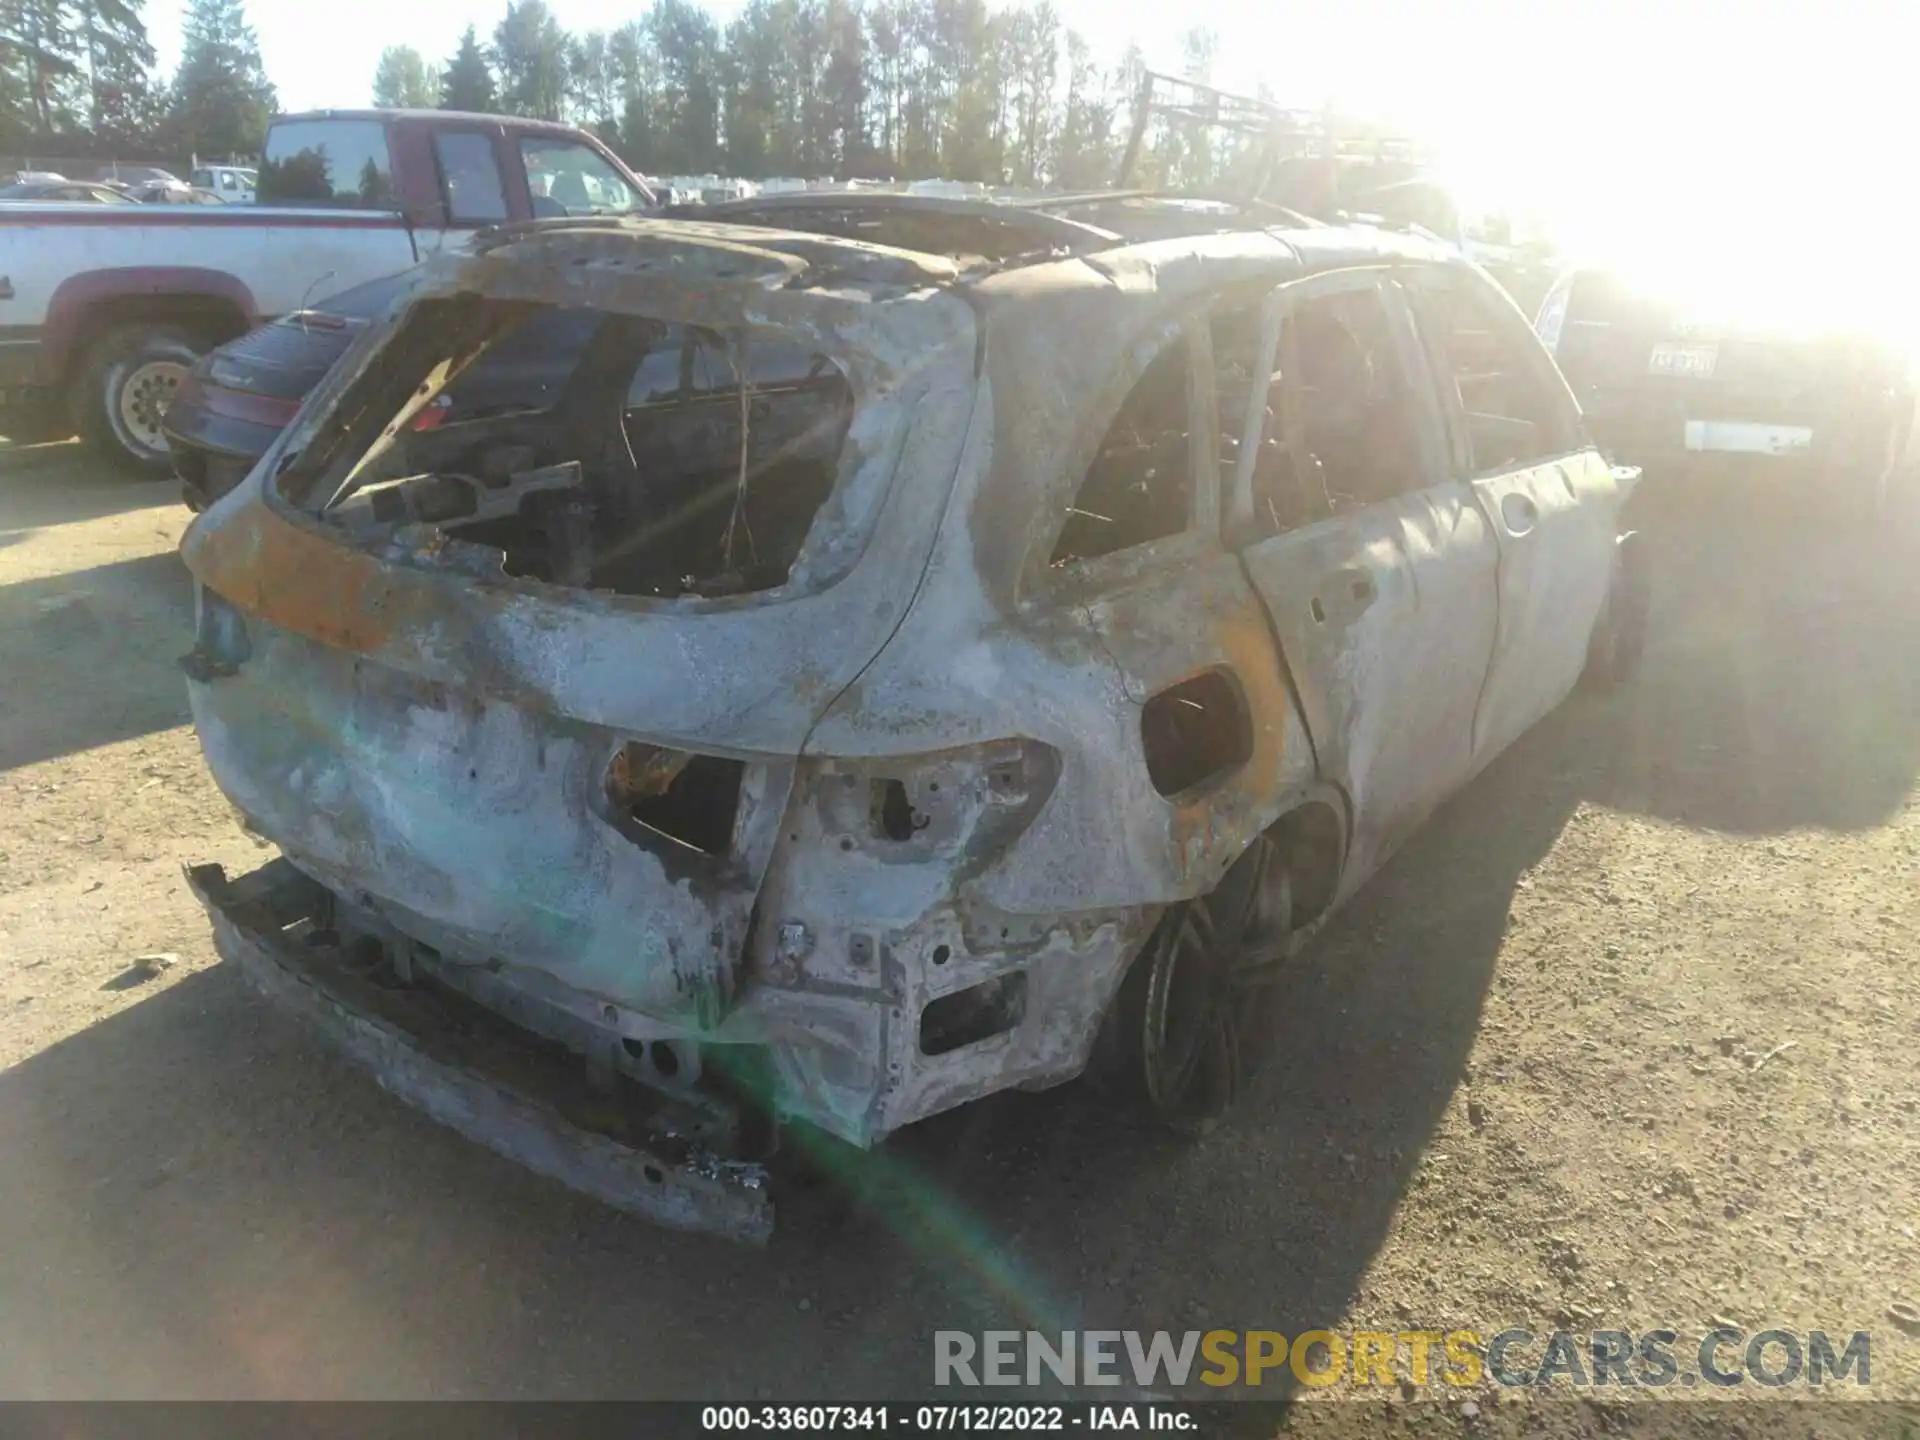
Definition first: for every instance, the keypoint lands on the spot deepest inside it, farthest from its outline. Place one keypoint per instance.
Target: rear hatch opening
(598, 450)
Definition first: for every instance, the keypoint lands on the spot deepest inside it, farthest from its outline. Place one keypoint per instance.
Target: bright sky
(1600, 114)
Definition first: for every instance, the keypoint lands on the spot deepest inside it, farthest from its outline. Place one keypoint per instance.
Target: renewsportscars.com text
(1650, 1359)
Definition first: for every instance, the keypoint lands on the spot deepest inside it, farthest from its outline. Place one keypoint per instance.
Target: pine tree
(43, 84)
(123, 104)
(401, 80)
(467, 83)
(221, 98)
(531, 50)
(635, 65)
(688, 44)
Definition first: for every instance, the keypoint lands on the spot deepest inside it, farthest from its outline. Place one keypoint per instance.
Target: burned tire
(1175, 1056)
(1620, 635)
(1195, 1000)
(122, 389)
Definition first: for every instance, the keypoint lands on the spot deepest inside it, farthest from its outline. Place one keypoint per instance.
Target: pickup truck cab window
(568, 178)
(342, 163)
(469, 178)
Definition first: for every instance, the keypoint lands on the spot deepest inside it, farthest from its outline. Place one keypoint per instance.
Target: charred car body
(876, 677)
(1679, 393)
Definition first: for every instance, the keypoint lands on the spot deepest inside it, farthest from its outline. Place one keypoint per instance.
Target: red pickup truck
(105, 308)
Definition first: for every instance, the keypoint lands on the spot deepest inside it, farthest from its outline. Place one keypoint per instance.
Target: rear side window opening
(602, 451)
(1139, 487)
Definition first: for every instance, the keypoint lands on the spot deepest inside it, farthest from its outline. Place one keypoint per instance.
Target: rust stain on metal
(299, 580)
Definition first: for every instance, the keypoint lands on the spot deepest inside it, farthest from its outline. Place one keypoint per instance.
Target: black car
(238, 399)
(1677, 394)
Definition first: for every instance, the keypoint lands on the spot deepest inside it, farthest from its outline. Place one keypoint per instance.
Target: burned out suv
(924, 649)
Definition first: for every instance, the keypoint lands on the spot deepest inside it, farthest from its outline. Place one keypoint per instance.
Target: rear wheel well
(1313, 840)
(209, 319)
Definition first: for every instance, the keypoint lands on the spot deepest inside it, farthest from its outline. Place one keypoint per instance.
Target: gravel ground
(1625, 1037)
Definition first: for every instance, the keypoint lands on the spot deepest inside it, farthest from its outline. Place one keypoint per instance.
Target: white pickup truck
(104, 308)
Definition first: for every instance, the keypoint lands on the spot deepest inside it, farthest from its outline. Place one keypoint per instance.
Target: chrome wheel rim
(144, 396)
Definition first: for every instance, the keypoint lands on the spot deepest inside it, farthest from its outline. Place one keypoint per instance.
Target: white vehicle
(105, 308)
(235, 184)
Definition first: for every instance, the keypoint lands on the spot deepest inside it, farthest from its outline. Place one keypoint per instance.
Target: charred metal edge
(733, 1203)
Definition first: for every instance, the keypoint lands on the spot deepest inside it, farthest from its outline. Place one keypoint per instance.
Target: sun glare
(1745, 158)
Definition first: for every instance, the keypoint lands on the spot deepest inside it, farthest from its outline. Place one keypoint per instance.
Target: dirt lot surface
(1625, 1037)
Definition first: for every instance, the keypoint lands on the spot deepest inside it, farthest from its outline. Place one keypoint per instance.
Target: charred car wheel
(126, 382)
(1194, 1002)
(1178, 1054)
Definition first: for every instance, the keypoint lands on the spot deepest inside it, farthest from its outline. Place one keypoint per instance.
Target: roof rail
(1284, 137)
(1030, 227)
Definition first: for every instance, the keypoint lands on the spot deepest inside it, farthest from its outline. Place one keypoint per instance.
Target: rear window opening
(332, 163)
(603, 451)
(676, 795)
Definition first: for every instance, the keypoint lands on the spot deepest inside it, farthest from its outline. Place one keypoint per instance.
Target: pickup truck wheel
(125, 384)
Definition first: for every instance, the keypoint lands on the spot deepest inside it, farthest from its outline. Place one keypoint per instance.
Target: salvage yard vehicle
(1823, 408)
(234, 184)
(926, 649)
(105, 308)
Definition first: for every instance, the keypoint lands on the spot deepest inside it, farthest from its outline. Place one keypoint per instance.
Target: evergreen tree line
(852, 88)
(77, 79)
(901, 89)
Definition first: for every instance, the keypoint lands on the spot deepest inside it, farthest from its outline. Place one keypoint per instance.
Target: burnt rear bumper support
(497, 1096)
